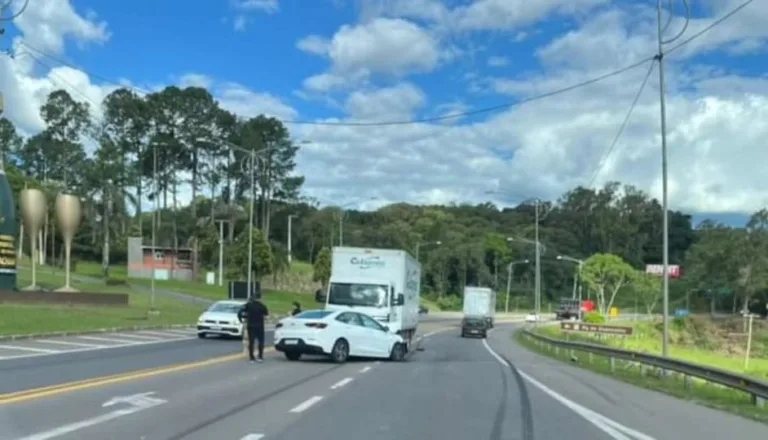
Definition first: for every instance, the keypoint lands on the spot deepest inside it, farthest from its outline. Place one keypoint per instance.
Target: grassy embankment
(717, 343)
(24, 319)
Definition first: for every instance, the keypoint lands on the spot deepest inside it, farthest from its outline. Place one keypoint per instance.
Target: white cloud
(383, 46)
(497, 61)
(249, 6)
(268, 6)
(314, 44)
(45, 25)
(392, 103)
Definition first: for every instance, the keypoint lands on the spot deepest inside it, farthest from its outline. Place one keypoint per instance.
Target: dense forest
(186, 140)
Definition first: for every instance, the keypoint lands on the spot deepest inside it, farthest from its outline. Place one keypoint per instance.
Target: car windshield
(221, 307)
(354, 294)
(313, 314)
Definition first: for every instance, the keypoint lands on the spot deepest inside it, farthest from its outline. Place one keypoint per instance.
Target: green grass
(25, 319)
(279, 302)
(697, 391)
(647, 339)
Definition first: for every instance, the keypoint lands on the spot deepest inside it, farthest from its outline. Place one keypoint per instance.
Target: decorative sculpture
(68, 213)
(33, 209)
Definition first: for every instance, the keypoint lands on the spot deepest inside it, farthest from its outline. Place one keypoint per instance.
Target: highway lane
(40, 371)
(453, 389)
(27, 373)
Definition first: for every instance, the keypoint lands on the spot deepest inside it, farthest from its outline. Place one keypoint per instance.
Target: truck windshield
(353, 294)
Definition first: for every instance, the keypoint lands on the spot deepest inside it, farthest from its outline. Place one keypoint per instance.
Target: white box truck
(382, 283)
(480, 302)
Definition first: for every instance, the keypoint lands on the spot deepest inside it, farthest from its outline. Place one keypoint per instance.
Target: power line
(16, 15)
(717, 22)
(615, 142)
(458, 114)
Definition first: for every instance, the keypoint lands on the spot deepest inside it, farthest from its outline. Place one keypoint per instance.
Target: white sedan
(221, 319)
(338, 334)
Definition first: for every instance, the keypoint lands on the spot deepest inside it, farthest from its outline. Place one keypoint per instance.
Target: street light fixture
(540, 250)
(537, 219)
(428, 243)
(342, 213)
(510, 267)
(578, 276)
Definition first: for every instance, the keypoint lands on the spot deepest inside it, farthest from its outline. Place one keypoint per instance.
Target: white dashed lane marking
(305, 405)
(341, 383)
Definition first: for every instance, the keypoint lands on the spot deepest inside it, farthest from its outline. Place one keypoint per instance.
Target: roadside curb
(92, 332)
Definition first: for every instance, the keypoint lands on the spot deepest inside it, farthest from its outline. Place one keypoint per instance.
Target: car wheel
(292, 355)
(398, 352)
(340, 351)
(201, 335)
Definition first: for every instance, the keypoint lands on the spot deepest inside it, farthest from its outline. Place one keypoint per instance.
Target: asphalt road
(454, 389)
(28, 373)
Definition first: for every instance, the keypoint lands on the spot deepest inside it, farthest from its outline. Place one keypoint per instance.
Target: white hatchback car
(338, 334)
(221, 319)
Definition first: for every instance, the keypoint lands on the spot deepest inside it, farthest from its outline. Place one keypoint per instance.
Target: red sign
(658, 269)
(588, 305)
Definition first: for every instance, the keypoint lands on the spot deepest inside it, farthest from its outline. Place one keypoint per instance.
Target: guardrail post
(686, 382)
(758, 401)
(613, 364)
(590, 357)
(642, 369)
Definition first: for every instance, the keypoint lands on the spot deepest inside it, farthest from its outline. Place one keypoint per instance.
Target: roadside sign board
(596, 328)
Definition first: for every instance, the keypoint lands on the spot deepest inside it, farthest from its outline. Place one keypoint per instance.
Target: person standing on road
(296, 308)
(253, 313)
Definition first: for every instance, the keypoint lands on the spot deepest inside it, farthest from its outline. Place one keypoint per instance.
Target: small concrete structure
(169, 263)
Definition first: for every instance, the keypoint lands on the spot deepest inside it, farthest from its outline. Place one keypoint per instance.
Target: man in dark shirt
(253, 314)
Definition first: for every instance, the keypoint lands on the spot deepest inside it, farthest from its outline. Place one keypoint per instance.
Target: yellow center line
(63, 388)
(53, 390)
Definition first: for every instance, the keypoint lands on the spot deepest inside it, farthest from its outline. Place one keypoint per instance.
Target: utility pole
(664, 194)
(341, 226)
(537, 288)
(221, 252)
(290, 237)
(250, 222)
(154, 227)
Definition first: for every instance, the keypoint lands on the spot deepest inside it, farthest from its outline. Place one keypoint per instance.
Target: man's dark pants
(253, 334)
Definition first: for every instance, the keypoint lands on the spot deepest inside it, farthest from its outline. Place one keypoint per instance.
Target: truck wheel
(340, 351)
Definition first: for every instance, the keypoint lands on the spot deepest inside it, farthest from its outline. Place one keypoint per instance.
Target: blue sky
(540, 149)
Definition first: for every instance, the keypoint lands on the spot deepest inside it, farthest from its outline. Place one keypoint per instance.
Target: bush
(449, 303)
(594, 318)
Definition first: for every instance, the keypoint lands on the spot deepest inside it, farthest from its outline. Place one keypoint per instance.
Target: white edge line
(74, 344)
(341, 383)
(305, 405)
(610, 427)
(35, 350)
(78, 350)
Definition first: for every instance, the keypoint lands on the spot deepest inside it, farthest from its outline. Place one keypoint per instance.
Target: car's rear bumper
(474, 331)
(225, 330)
(298, 345)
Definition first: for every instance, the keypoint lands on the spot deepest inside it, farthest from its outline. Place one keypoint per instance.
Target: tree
(606, 275)
(322, 267)
(10, 141)
(647, 290)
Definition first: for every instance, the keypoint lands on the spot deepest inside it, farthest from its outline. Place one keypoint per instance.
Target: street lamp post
(342, 212)
(221, 252)
(290, 239)
(510, 266)
(539, 251)
(578, 274)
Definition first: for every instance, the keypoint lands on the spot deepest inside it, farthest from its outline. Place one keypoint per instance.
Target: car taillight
(316, 324)
(278, 325)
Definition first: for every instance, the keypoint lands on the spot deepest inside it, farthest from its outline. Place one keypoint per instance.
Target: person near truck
(253, 314)
(296, 308)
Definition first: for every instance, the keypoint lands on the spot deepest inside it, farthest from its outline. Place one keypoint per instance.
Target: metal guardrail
(757, 388)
